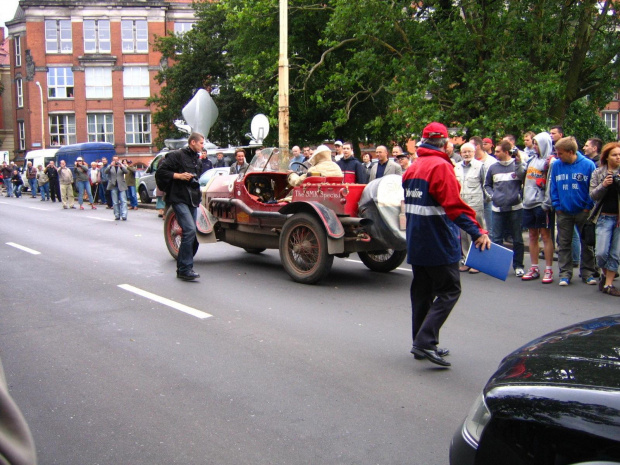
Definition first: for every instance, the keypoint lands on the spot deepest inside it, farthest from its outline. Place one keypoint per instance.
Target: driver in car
(321, 164)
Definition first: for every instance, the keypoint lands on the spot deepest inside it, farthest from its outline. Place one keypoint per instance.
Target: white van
(37, 157)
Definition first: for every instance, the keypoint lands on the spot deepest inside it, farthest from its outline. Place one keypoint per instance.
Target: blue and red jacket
(435, 210)
(352, 170)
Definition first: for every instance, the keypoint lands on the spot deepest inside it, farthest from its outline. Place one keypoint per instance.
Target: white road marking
(25, 249)
(164, 301)
(37, 208)
(358, 261)
(100, 219)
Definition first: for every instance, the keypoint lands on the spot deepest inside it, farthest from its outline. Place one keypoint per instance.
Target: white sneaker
(519, 272)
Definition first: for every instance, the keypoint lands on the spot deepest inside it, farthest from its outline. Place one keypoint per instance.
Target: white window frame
(17, 45)
(98, 82)
(138, 128)
(97, 36)
(182, 27)
(21, 135)
(610, 118)
(62, 129)
(135, 35)
(100, 127)
(136, 82)
(19, 86)
(58, 37)
(60, 82)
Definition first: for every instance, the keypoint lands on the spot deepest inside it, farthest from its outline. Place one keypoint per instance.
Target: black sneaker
(188, 276)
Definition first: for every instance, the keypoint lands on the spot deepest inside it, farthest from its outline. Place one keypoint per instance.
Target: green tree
(379, 70)
(198, 59)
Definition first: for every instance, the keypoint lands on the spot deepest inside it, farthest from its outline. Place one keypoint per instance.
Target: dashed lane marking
(358, 261)
(100, 219)
(162, 300)
(25, 249)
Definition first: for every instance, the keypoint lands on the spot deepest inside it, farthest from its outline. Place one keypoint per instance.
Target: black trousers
(55, 189)
(435, 290)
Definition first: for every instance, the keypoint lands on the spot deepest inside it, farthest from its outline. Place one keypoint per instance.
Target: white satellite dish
(259, 128)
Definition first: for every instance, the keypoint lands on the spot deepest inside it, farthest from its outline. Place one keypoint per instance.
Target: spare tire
(381, 202)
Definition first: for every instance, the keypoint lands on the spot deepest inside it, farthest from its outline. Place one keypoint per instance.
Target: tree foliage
(379, 70)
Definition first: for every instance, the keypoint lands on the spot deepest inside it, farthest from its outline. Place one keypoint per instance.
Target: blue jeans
(607, 242)
(131, 195)
(33, 186)
(510, 221)
(45, 191)
(84, 186)
(576, 246)
(119, 199)
(8, 184)
(17, 190)
(186, 217)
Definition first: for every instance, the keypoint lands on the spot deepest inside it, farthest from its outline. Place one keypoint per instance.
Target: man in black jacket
(179, 173)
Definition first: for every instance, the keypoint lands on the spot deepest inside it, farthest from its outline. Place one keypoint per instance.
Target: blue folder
(495, 261)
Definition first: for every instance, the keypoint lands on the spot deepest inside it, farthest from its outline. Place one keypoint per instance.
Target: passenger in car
(321, 164)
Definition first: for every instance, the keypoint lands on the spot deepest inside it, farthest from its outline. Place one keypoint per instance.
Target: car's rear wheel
(383, 260)
(173, 234)
(253, 250)
(144, 195)
(303, 249)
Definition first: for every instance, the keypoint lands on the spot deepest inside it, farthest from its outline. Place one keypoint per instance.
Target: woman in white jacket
(472, 192)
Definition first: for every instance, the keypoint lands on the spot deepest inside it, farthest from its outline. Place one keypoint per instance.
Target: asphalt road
(279, 373)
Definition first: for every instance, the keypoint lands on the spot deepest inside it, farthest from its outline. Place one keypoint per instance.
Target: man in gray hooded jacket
(537, 220)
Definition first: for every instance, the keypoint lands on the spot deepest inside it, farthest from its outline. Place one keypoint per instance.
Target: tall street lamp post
(42, 115)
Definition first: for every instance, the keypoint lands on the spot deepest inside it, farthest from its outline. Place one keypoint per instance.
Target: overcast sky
(7, 11)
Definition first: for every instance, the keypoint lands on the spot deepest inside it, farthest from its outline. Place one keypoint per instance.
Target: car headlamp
(476, 421)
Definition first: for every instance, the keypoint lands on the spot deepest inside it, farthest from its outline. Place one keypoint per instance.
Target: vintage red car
(310, 224)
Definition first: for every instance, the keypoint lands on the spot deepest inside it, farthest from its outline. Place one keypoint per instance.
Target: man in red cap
(487, 145)
(435, 212)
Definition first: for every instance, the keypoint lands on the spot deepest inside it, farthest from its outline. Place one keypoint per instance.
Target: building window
(611, 120)
(21, 135)
(135, 36)
(58, 36)
(101, 127)
(17, 45)
(182, 28)
(62, 129)
(97, 36)
(98, 82)
(138, 128)
(20, 93)
(60, 83)
(136, 82)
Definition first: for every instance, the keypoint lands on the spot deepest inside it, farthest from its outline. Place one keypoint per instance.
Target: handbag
(588, 234)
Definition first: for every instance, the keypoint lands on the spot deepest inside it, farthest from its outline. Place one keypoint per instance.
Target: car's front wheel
(173, 234)
(144, 195)
(383, 260)
(303, 249)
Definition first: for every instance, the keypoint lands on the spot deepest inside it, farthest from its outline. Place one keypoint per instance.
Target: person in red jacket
(435, 212)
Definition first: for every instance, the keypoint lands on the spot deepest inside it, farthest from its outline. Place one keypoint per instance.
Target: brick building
(610, 115)
(6, 99)
(82, 70)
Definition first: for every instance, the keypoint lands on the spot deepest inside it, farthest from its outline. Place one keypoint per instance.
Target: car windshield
(269, 159)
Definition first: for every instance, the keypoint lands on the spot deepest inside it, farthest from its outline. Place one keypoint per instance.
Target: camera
(616, 180)
(193, 183)
(513, 152)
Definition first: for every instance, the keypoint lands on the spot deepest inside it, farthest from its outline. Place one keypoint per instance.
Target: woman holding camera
(605, 191)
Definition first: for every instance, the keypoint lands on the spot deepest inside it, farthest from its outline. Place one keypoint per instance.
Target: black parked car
(554, 401)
